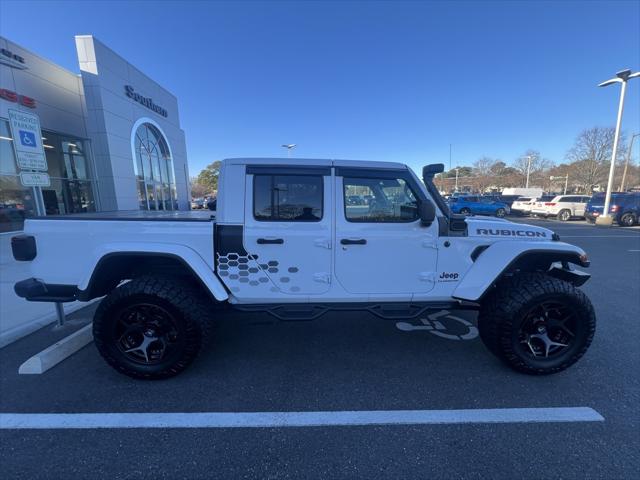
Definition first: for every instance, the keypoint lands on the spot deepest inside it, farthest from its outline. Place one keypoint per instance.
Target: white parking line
(11, 421)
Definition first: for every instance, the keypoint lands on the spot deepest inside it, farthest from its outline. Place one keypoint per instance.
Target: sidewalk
(17, 316)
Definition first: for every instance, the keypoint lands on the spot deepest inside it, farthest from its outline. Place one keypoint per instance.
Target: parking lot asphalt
(348, 361)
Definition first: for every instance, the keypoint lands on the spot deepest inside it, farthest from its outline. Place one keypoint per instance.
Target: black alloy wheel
(146, 333)
(547, 330)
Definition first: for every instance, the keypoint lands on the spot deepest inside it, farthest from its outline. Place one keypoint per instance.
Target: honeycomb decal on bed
(240, 271)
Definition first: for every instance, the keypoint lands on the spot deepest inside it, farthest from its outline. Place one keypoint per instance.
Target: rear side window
(388, 200)
(287, 198)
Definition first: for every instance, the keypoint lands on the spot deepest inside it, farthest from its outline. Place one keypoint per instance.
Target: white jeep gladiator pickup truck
(298, 238)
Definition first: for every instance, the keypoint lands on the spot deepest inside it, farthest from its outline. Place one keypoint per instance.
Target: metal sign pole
(60, 313)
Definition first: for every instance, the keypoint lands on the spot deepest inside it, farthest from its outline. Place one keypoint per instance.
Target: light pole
(621, 77)
(528, 170)
(289, 147)
(456, 189)
(626, 163)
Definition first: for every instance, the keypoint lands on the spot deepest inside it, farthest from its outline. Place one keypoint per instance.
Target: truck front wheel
(151, 327)
(537, 324)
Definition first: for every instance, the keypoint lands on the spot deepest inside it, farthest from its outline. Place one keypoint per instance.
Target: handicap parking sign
(27, 144)
(28, 139)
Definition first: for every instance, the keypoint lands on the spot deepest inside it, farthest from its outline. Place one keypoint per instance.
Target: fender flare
(500, 256)
(185, 255)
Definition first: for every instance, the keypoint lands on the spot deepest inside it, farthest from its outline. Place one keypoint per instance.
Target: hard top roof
(315, 162)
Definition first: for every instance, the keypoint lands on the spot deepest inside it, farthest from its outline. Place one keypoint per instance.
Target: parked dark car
(624, 208)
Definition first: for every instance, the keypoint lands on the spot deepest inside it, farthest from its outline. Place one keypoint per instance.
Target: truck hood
(501, 229)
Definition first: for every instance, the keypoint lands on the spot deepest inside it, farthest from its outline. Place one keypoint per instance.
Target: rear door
(288, 228)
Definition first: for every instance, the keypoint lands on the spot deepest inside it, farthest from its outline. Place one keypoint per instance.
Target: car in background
(474, 205)
(522, 206)
(624, 208)
(197, 203)
(355, 200)
(498, 197)
(564, 207)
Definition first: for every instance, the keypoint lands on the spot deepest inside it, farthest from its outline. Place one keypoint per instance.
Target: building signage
(35, 179)
(14, 97)
(13, 60)
(27, 140)
(146, 101)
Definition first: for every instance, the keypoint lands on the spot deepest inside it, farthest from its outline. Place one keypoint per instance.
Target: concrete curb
(56, 353)
(20, 331)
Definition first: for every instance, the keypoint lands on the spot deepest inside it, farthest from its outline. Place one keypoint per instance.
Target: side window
(287, 198)
(383, 200)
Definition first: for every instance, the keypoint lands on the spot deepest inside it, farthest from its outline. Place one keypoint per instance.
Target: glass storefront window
(71, 189)
(7, 155)
(154, 169)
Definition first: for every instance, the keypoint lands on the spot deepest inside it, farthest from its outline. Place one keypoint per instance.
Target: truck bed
(138, 215)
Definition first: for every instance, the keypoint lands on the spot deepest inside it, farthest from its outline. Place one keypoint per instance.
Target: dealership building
(111, 136)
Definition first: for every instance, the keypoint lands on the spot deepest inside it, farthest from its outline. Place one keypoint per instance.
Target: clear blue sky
(365, 80)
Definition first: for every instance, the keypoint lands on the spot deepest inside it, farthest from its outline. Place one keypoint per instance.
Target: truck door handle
(349, 241)
(275, 241)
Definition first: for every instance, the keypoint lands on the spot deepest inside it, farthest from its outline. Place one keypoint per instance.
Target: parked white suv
(522, 205)
(564, 207)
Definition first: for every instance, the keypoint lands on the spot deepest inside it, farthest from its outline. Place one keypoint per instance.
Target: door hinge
(322, 277)
(427, 277)
(322, 242)
(429, 244)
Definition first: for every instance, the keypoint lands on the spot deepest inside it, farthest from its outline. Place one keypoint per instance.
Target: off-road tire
(504, 309)
(564, 215)
(190, 309)
(465, 211)
(627, 220)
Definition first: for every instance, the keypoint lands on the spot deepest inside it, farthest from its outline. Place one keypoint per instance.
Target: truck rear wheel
(151, 327)
(537, 324)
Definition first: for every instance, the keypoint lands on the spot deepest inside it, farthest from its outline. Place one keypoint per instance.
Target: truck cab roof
(316, 162)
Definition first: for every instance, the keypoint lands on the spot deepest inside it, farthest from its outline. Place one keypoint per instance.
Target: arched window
(154, 169)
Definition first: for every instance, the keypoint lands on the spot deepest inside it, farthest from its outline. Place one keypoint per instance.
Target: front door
(288, 228)
(381, 245)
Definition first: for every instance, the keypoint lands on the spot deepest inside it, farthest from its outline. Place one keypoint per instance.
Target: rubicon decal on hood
(510, 233)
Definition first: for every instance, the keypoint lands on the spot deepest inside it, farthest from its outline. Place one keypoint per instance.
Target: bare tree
(591, 154)
(482, 172)
(198, 190)
(536, 170)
